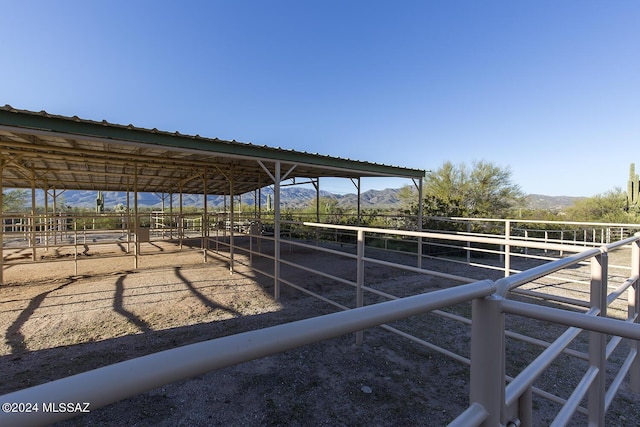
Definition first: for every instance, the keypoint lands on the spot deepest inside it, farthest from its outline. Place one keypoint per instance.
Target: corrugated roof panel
(64, 147)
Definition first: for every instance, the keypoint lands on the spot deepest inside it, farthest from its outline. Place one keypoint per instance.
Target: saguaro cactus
(633, 190)
(100, 202)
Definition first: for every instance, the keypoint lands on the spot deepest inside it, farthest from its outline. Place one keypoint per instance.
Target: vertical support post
(171, 215)
(420, 221)
(317, 185)
(598, 341)
(359, 222)
(255, 203)
(223, 222)
(180, 220)
(259, 216)
(360, 278)
(161, 222)
(276, 231)
(129, 222)
(633, 302)
(46, 217)
(259, 203)
(487, 358)
(205, 219)
(252, 225)
(226, 215)
(32, 235)
(135, 216)
(56, 220)
(507, 248)
(546, 240)
(232, 225)
(75, 246)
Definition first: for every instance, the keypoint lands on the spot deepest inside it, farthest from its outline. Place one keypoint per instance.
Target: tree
(329, 208)
(484, 190)
(605, 207)
(14, 200)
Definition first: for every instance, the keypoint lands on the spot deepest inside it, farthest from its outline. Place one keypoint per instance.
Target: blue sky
(549, 89)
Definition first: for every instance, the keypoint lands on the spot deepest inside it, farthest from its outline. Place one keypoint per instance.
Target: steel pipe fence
(506, 286)
(545, 271)
(491, 402)
(43, 235)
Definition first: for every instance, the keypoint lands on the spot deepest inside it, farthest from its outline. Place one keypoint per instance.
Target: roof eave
(104, 130)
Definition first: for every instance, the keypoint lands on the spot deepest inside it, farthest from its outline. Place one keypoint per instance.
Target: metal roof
(62, 152)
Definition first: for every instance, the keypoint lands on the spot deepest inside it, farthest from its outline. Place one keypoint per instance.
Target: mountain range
(290, 197)
(551, 203)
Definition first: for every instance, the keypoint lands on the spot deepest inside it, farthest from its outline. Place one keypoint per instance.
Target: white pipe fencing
(491, 403)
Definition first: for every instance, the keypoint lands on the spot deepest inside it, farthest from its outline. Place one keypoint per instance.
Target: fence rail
(492, 403)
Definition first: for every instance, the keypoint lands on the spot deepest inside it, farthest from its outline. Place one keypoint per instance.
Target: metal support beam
(259, 204)
(420, 219)
(180, 220)
(136, 220)
(32, 229)
(360, 279)
(276, 231)
(46, 216)
(205, 219)
(55, 219)
(356, 183)
(231, 221)
(171, 215)
(276, 177)
(316, 185)
(129, 222)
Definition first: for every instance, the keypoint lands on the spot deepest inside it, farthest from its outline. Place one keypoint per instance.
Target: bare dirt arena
(56, 324)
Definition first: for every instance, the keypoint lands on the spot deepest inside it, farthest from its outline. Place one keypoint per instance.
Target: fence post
(546, 240)
(468, 243)
(487, 358)
(75, 246)
(507, 248)
(525, 408)
(360, 279)
(598, 340)
(634, 312)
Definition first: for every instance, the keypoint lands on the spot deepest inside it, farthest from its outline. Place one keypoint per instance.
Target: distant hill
(553, 203)
(291, 197)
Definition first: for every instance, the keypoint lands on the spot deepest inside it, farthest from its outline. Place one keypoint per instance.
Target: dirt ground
(56, 323)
